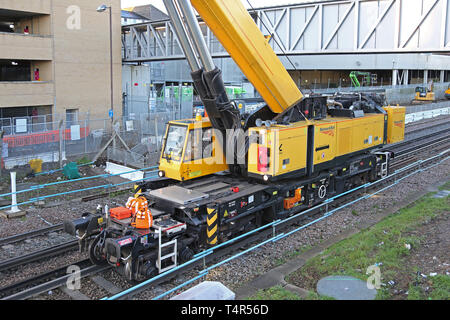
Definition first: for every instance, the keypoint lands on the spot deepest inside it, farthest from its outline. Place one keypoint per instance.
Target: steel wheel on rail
(96, 251)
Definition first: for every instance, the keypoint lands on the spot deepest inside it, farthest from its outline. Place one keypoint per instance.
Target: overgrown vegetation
(83, 160)
(445, 186)
(274, 293)
(280, 293)
(386, 244)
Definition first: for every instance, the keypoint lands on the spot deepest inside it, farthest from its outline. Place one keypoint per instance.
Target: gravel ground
(37, 218)
(24, 182)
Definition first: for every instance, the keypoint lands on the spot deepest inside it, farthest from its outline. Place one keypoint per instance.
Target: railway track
(34, 282)
(104, 194)
(443, 119)
(39, 255)
(430, 125)
(40, 284)
(410, 155)
(426, 143)
(31, 234)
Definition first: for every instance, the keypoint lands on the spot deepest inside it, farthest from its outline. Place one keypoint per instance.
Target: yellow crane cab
(191, 149)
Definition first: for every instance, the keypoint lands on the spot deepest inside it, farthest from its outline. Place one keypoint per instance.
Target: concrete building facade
(55, 58)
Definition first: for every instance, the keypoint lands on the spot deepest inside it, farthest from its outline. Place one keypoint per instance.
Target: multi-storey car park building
(55, 59)
(398, 42)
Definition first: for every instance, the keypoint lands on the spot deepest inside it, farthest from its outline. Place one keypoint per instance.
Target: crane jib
(240, 36)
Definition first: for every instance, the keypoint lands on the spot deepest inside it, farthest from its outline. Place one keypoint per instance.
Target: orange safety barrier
(14, 141)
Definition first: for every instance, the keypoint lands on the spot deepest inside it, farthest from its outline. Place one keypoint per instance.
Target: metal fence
(76, 139)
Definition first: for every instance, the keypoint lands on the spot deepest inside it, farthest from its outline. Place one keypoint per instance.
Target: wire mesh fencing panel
(19, 149)
(126, 157)
(144, 136)
(50, 141)
(139, 139)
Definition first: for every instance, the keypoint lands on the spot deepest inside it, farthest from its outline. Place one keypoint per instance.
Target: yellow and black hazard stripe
(212, 228)
(137, 190)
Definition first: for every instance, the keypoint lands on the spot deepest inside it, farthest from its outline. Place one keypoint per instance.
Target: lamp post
(103, 8)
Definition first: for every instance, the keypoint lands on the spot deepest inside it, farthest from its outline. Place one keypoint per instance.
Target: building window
(71, 117)
(12, 70)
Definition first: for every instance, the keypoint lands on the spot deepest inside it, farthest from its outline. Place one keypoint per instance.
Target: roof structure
(148, 12)
(131, 15)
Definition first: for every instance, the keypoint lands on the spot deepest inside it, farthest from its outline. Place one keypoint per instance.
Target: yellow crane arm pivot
(237, 32)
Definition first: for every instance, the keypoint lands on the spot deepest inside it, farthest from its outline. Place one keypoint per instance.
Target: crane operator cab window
(199, 145)
(176, 136)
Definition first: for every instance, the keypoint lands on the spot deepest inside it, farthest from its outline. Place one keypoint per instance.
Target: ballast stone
(207, 290)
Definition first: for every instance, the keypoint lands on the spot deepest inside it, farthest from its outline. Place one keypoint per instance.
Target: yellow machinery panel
(344, 139)
(396, 124)
(367, 132)
(324, 142)
(279, 150)
(237, 32)
(260, 155)
(288, 142)
(285, 147)
(335, 138)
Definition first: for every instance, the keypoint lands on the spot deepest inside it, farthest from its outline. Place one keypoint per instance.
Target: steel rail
(38, 255)
(31, 234)
(40, 279)
(425, 144)
(56, 283)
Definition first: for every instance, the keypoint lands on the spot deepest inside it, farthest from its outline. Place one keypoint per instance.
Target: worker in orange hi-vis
(142, 217)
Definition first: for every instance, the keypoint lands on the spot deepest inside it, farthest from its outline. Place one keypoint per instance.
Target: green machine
(366, 78)
(235, 92)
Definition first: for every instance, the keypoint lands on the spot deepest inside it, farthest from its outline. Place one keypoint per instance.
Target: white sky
(255, 3)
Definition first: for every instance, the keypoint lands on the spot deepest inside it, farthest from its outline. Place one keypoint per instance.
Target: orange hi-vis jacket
(142, 217)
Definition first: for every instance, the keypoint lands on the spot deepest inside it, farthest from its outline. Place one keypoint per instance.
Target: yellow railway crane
(226, 174)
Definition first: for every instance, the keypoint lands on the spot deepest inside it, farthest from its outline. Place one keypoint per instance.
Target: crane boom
(237, 32)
